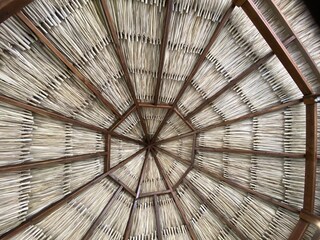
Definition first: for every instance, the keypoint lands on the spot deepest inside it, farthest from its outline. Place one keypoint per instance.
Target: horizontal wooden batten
(310, 218)
(126, 187)
(150, 105)
(54, 206)
(70, 65)
(50, 162)
(251, 152)
(150, 194)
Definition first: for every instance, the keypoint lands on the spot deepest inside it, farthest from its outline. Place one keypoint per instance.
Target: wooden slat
(182, 178)
(143, 172)
(123, 63)
(125, 187)
(175, 197)
(276, 11)
(236, 80)
(311, 158)
(125, 138)
(216, 211)
(54, 206)
(238, 119)
(193, 150)
(196, 67)
(276, 45)
(102, 215)
(9, 7)
(150, 194)
(164, 42)
(107, 148)
(235, 184)
(150, 105)
(122, 118)
(130, 220)
(64, 59)
(310, 218)
(299, 230)
(251, 152)
(157, 215)
(50, 162)
(184, 119)
(49, 113)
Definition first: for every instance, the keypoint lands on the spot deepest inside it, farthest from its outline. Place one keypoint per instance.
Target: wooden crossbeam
(275, 44)
(64, 59)
(164, 43)
(123, 63)
(150, 105)
(10, 7)
(49, 162)
(299, 230)
(234, 184)
(274, 108)
(310, 218)
(251, 152)
(157, 214)
(124, 186)
(107, 157)
(122, 118)
(102, 215)
(196, 67)
(184, 119)
(150, 194)
(215, 211)
(54, 206)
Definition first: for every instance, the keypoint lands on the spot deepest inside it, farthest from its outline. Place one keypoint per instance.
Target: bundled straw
(174, 126)
(153, 117)
(181, 147)
(131, 127)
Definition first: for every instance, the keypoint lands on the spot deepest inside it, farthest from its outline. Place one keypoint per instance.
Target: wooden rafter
(164, 42)
(137, 194)
(237, 80)
(299, 230)
(107, 148)
(275, 44)
(64, 59)
(10, 7)
(175, 197)
(150, 194)
(54, 206)
(274, 108)
(102, 215)
(215, 211)
(157, 215)
(122, 118)
(310, 218)
(251, 152)
(182, 178)
(196, 67)
(125, 187)
(150, 105)
(234, 184)
(49, 162)
(119, 52)
(184, 119)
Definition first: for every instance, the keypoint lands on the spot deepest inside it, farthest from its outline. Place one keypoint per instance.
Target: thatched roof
(159, 119)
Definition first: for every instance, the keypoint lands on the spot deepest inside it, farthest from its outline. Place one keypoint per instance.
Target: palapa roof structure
(159, 119)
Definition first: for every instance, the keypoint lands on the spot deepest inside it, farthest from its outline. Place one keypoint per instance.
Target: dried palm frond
(181, 147)
(153, 117)
(120, 150)
(152, 180)
(131, 127)
(174, 126)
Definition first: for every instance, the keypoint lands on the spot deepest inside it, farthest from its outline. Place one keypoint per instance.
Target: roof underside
(159, 119)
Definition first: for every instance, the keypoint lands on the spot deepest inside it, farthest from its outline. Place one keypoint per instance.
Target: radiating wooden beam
(275, 44)
(235, 184)
(9, 7)
(123, 63)
(107, 148)
(150, 194)
(150, 105)
(267, 110)
(184, 119)
(125, 138)
(310, 179)
(175, 197)
(125, 187)
(196, 67)
(193, 149)
(102, 215)
(180, 159)
(182, 178)
(164, 42)
(137, 195)
(310, 218)
(251, 152)
(49, 163)
(54, 206)
(216, 211)
(236, 80)
(157, 215)
(70, 65)
(299, 230)
(276, 11)
(122, 118)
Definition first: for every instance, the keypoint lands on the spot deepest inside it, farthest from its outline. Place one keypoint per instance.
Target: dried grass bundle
(172, 224)
(131, 127)
(130, 173)
(152, 180)
(77, 215)
(174, 126)
(114, 223)
(144, 222)
(153, 117)
(181, 147)
(171, 167)
(120, 150)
